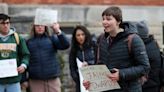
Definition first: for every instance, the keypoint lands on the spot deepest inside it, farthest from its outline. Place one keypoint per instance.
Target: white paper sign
(45, 17)
(8, 68)
(97, 75)
(79, 64)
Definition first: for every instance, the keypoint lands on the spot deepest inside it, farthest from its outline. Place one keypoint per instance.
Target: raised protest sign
(45, 17)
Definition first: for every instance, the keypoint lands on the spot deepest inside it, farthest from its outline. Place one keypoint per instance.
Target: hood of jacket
(6, 37)
(129, 28)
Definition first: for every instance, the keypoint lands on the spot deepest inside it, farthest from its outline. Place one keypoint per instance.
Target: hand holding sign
(56, 28)
(114, 75)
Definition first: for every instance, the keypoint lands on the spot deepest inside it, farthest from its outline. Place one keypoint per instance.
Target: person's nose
(104, 21)
(5, 24)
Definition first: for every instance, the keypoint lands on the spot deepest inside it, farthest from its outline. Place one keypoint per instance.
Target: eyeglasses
(5, 23)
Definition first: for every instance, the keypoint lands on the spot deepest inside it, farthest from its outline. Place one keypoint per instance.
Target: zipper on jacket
(83, 55)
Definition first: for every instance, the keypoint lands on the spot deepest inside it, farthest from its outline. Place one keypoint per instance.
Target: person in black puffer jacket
(153, 51)
(114, 52)
(44, 67)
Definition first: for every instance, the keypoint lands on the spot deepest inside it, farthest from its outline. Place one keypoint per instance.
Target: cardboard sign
(97, 75)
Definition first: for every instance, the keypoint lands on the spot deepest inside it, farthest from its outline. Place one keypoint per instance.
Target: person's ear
(118, 23)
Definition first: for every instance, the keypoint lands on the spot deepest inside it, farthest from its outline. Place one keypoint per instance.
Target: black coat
(88, 54)
(114, 53)
(153, 83)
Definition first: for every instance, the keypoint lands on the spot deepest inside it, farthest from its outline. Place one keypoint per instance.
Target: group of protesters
(135, 67)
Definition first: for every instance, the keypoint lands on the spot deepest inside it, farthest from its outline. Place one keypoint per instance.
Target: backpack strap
(16, 38)
(98, 48)
(130, 37)
(143, 78)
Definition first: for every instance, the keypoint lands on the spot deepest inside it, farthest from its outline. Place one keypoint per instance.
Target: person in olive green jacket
(11, 53)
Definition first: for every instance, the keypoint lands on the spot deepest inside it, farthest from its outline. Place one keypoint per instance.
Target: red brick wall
(87, 2)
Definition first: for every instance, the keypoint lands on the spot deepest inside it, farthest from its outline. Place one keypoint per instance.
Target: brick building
(88, 2)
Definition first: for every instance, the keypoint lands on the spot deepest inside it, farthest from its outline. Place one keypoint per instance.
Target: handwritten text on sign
(97, 75)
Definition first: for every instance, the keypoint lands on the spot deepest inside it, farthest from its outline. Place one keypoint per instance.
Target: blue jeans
(14, 87)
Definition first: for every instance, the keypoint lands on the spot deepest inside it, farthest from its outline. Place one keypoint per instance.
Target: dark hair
(113, 11)
(87, 36)
(75, 44)
(4, 17)
(33, 33)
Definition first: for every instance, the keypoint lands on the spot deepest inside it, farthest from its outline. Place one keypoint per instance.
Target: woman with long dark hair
(83, 48)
